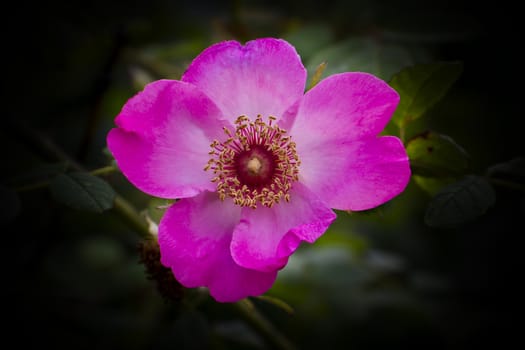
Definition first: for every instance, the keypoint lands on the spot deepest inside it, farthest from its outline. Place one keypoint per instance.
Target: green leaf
(460, 202)
(361, 54)
(436, 155)
(83, 191)
(421, 86)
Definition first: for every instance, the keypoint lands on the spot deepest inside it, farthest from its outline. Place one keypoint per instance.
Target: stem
(130, 214)
(103, 171)
(32, 187)
(250, 314)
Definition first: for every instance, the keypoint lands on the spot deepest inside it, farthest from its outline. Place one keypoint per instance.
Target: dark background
(73, 279)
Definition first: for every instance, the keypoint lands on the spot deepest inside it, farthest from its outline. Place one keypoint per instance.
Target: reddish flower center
(256, 164)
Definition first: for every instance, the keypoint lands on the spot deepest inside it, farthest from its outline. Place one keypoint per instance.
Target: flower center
(256, 164)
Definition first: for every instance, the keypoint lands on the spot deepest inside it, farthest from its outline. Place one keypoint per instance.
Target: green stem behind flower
(130, 214)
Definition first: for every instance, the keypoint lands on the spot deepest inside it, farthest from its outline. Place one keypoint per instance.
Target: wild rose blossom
(256, 162)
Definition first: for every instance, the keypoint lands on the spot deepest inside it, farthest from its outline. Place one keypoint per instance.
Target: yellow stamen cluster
(271, 159)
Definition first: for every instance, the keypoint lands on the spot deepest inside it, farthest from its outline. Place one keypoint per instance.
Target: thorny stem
(46, 147)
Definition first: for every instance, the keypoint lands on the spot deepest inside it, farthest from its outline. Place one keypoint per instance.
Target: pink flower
(256, 162)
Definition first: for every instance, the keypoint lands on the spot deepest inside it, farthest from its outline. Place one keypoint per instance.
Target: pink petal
(163, 138)
(346, 105)
(265, 76)
(266, 237)
(355, 175)
(335, 129)
(194, 238)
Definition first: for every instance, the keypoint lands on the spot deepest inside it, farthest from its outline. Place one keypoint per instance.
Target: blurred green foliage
(376, 279)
